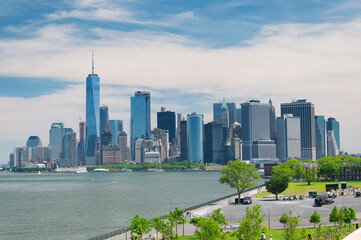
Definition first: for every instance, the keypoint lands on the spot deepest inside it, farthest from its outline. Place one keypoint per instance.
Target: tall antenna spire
(92, 62)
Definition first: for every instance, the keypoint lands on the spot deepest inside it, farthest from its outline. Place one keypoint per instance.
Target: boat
(126, 170)
(101, 170)
(155, 170)
(39, 173)
(81, 170)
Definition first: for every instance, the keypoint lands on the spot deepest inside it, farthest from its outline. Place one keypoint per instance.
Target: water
(80, 206)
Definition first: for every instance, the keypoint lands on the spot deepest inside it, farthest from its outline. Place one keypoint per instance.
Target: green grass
(300, 188)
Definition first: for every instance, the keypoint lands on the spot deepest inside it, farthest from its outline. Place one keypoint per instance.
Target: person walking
(263, 236)
(270, 238)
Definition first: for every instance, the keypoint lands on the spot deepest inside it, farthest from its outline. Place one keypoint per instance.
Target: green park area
(302, 188)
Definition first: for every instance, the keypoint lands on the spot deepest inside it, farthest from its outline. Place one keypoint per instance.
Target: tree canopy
(277, 184)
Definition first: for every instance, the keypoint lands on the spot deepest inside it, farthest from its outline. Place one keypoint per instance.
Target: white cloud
(315, 61)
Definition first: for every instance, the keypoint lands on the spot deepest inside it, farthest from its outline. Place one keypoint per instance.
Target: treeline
(171, 166)
(28, 169)
(339, 167)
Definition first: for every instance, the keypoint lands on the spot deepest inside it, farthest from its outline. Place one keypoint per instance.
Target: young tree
(170, 224)
(209, 229)
(315, 218)
(284, 219)
(334, 215)
(277, 185)
(291, 232)
(219, 217)
(158, 225)
(251, 225)
(239, 175)
(349, 216)
(139, 226)
(178, 216)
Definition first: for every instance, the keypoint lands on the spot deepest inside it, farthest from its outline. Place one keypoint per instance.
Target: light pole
(269, 220)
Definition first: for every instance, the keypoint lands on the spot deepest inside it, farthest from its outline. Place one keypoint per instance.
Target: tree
(291, 168)
(170, 224)
(315, 218)
(284, 219)
(219, 217)
(251, 225)
(178, 216)
(209, 229)
(291, 232)
(158, 225)
(334, 215)
(139, 226)
(239, 175)
(277, 185)
(349, 216)
(310, 175)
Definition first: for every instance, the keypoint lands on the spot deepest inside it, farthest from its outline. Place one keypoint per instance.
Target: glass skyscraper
(231, 112)
(195, 137)
(116, 127)
(321, 137)
(139, 117)
(104, 117)
(92, 116)
(166, 121)
(333, 125)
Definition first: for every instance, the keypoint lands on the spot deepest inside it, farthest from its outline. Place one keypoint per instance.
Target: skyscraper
(116, 127)
(231, 112)
(104, 117)
(195, 137)
(255, 125)
(140, 117)
(92, 116)
(272, 117)
(183, 140)
(81, 149)
(166, 121)
(224, 114)
(56, 134)
(288, 137)
(333, 125)
(321, 137)
(213, 142)
(68, 153)
(33, 141)
(306, 111)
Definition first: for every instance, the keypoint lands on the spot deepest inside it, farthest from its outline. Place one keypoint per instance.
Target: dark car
(247, 200)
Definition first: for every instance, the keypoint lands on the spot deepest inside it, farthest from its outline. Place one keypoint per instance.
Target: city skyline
(175, 54)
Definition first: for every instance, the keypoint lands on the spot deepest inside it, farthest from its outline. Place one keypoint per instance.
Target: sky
(188, 54)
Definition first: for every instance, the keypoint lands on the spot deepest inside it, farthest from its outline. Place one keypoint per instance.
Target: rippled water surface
(80, 206)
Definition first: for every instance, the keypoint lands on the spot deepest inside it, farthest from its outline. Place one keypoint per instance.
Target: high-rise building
(288, 137)
(163, 136)
(116, 127)
(321, 137)
(104, 117)
(231, 112)
(11, 160)
(140, 117)
(255, 125)
(272, 117)
(332, 148)
(239, 115)
(21, 156)
(123, 147)
(68, 154)
(183, 140)
(166, 121)
(33, 141)
(333, 125)
(306, 112)
(213, 142)
(81, 148)
(56, 134)
(195, 137)
(224, 114)
(92, 116)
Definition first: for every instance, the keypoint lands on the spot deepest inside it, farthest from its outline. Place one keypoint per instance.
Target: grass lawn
(300, 188)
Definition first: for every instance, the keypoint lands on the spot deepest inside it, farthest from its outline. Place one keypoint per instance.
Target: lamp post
(269, 220)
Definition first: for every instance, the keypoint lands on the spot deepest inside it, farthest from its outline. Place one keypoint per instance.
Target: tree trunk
(239, 197)
(276, 196)
(309, 182)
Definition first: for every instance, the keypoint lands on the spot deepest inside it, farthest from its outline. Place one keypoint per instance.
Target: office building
(213, 143)
(21, 156)
(195, 137)
(183, 141)
(224, 114)
(11, 160)
(306, 112)
(272, 117)
(143, 146)
(288, 137)
(255, 125)
(104, 117)
(163, 136)
(56, 134)
(116, 127)
(33, 141)
(92, 116)
(239, 115)
(140, 117)
(236, 144)
(166, 121)
(39, 154)
(81, 145)
(152, 157)
(333, 125)
(111, 155)
(321, 137)
(332, 148)
(231, 112)
(68, 154)
(123, 147)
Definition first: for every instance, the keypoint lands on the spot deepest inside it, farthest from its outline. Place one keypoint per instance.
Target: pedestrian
(270, 238)
(263, 236)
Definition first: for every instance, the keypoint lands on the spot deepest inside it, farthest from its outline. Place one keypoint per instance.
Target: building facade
(288, 137)
(116, 127)
(104, 117)
(213, 143)
(166, 120)
(306, 112)
(321, 137)
(333, 125)
(33, 141)
(231, 112)
(56, 134)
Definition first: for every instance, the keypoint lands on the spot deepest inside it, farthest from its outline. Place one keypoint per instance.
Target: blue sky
(189, 54)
